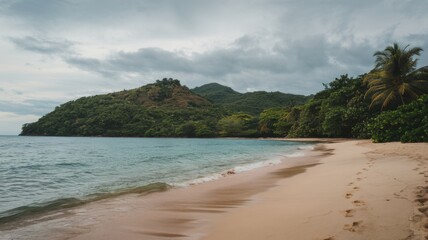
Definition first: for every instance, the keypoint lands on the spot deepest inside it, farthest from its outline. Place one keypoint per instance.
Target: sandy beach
(345, 189)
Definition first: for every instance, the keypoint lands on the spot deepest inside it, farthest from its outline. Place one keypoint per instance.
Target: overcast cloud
(53, 51)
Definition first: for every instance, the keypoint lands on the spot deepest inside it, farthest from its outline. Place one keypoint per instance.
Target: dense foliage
(252, 102)
(340, 110)
(409, 123)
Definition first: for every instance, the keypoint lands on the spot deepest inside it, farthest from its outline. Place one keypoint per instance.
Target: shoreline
(26, 215)
(330, 195)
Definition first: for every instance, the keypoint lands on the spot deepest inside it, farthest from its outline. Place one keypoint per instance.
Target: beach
(343, 189)
(362, 191)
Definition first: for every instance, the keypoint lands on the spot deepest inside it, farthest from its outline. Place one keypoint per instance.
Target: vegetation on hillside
(387, 104)
(162, 109)
(252, 102)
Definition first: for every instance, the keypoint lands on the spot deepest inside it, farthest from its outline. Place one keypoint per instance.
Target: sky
(54, 51)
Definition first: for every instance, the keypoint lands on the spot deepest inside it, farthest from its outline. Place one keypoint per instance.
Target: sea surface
(39, 174)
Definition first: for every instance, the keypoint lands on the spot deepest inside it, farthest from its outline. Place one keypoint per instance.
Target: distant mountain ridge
(250, 102)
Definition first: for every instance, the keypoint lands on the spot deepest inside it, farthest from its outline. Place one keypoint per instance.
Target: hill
(217, 93)
(164, 108)
(252, 102)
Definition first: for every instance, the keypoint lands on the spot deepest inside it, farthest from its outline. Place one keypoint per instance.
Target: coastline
(349, 190)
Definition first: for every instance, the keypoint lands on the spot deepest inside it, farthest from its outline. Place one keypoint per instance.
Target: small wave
(300, 151)
(234, 170)
(256, 165)
(64, 203)
(209, 178)
(308, 147)
(295, 154)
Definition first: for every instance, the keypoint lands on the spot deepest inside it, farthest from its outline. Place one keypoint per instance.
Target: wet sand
(344, 190)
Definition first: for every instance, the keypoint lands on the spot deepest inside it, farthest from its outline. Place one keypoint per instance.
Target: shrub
(408, 123)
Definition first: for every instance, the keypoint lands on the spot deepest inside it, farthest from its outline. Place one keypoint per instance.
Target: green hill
(217, 93)
(252, 102)
(164, 108)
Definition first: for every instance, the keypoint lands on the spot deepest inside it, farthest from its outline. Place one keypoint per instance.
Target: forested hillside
(252, 102)
(162, 109)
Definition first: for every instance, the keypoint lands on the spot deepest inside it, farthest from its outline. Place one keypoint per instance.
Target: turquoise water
(42, 173)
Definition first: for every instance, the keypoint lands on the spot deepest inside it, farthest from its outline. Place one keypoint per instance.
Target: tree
(238, 125)
(271, 122)
(395, 80)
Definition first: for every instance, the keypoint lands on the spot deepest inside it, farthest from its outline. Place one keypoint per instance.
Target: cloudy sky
(53, 51)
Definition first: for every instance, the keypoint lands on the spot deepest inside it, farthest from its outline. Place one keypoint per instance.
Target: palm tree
(395, 79)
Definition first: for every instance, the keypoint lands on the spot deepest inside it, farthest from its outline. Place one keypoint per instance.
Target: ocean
(40, 174)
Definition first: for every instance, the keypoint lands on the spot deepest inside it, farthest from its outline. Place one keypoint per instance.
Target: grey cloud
(244, 55)
(163, 17)
(218, 62)
(150, 59)
(44, 46)
(90, 65)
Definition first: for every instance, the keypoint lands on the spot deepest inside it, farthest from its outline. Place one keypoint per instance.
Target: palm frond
(395, 76)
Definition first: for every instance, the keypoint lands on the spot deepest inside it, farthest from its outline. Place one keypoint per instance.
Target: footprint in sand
(424, 210)
(365, 169)
(350, 184)
(348, 195)
(421, 200)
(359, 179)
(349, 213)
(329, 238)
(354, 227)
(356, 188)
(422, 189)
(358, 203)
(358, 173)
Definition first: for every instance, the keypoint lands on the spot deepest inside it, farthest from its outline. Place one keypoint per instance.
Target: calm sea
(39, 174)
